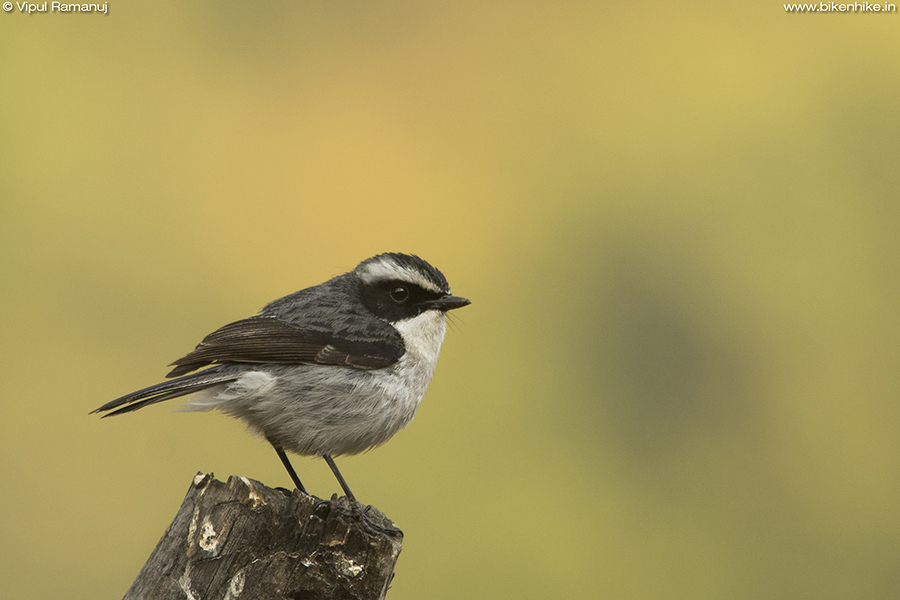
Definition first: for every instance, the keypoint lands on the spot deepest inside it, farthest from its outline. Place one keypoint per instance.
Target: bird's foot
(367, 523)
(374, 527)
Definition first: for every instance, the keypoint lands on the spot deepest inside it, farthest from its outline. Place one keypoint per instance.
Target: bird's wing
(267, 339)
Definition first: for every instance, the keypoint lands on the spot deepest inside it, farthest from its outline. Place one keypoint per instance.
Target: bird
(334, 369)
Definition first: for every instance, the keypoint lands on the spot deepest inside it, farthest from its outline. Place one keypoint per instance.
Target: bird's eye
(399, 294)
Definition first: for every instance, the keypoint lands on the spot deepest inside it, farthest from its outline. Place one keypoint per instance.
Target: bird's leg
(354, 502)
(340, 478)
(290, 468)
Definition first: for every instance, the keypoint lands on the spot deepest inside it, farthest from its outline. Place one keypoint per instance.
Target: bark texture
(241, 539)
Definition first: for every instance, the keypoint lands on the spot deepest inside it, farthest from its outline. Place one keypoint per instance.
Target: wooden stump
(241, 539)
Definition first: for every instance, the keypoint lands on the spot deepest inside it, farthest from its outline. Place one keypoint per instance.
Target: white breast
(404, 385)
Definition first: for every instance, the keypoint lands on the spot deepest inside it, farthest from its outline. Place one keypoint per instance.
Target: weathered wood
(241, 539)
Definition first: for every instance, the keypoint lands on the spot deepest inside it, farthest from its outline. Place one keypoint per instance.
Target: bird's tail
(167, 390)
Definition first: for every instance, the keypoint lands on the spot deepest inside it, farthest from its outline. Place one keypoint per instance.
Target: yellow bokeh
(677, 224)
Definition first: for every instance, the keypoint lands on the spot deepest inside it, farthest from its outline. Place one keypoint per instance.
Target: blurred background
(678, 226)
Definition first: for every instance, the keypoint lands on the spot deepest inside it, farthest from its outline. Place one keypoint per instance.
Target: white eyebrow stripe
(385, 270)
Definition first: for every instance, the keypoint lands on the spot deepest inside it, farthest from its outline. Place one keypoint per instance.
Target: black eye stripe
(415, 292)
(397, 299)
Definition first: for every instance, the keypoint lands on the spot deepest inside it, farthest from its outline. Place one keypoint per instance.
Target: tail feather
(166, 391)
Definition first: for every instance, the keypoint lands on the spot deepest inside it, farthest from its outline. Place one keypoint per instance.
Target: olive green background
(678, 224)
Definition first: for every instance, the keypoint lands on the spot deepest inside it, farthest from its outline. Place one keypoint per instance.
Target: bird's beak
(449, 303)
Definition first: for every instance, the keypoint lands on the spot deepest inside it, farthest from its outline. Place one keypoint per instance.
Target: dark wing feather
(265, 339)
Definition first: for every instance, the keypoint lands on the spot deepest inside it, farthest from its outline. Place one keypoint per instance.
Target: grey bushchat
(337, 368)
